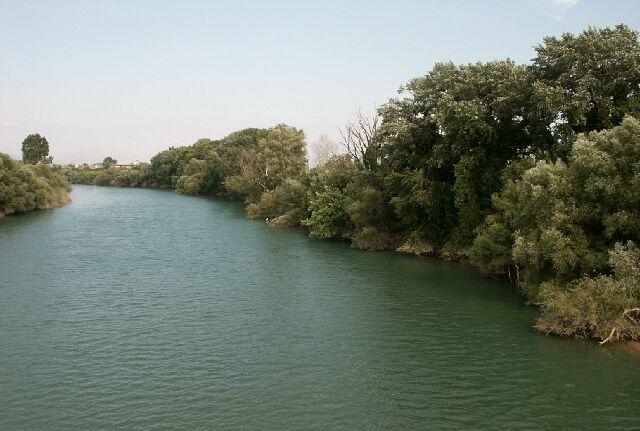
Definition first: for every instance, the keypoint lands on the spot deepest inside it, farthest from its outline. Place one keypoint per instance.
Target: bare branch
(323, 149)
(357, 135)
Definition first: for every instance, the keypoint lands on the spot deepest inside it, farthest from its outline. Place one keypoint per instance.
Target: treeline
(136, 176)
(25, 187)
(532, 172)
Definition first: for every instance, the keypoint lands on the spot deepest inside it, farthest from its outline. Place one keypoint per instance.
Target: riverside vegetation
(32, 184)
(531, 172)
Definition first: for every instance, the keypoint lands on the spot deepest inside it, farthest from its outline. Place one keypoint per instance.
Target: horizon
(127, 80)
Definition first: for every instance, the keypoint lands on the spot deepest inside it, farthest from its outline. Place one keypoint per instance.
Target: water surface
(144, 309)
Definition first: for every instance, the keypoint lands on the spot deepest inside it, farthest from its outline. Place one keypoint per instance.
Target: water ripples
(141, 309)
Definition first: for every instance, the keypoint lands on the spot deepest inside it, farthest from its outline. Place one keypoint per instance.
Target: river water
(145, 309)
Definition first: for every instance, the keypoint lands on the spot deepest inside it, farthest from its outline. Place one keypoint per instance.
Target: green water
(143, 309)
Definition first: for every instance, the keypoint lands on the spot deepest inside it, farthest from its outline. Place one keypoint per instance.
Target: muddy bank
(632, 347)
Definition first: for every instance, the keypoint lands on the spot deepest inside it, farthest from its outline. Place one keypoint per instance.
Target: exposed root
(614, 331)
(629, 311)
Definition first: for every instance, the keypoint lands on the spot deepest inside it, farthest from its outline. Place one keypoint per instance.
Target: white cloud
(564, 3)
(8, 124)
(558, 8)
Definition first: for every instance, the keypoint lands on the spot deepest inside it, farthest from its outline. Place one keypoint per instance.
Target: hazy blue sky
(129, 78)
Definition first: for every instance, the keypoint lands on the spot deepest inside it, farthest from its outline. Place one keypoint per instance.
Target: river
(145, 309)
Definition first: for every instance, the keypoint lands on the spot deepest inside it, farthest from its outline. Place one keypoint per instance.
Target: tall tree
(587, 82)
(445, 145)
(279, 155)
(323, 149)
(357, 137)
(108, 162)
(35, 149)
(558, 221)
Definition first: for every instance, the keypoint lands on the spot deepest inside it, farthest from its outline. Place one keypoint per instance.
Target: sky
(130, 78)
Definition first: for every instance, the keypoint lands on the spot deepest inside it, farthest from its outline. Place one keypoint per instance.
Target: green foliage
(338, 172)
(486, 160)
(283, 154)
(492, 246)
(369, 238)
(415, 244)
(366, 206)
(35, 149)
(328, 219)
(25, 188)
(284, 206)
(108, 162)
(164, 167)
(135, 176)
(191, 182)
(424, 208)
(587, 82)
(279, 155)
(601, 307)
(168, 166)
(445, 145)
(371, 215)
(564, 217)
(558, 222)
(103, 178)
(345, 201)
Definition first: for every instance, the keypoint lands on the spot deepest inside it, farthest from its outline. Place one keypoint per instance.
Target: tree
(279, 155)
(282, 153)
(605, 307)
(323, 149)
(284, 206)
(191, 182)
(328, 218)
(108, 162)
(444, 146)
(587, 82)
(165, 168)
(35, 149)
(357, 137)
(25, 188)
(558, 221)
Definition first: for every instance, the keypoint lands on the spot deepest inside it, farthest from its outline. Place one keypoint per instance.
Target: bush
(606, 307)
(25, 188)
(284, 205)
(368, 238)
(328, 218)
(559, 220)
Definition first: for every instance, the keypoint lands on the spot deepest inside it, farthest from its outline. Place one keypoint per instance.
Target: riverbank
(65, 200)
(48, 206)
(25, 187)
(453, 173)
(633, 347)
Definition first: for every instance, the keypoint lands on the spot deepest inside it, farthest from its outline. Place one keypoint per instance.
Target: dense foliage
(108, 162)
(136, 176)
(25, 188)
(560, 221)
(35, 149)
(530, 171)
